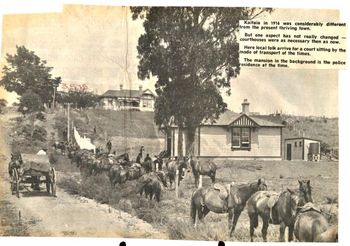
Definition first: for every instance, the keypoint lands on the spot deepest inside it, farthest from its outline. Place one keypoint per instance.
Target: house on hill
(233, 135)
(139, 100)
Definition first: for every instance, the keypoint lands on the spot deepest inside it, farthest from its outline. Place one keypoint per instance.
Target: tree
(30, 102)
(194, 54)
(78, 95)
(26, 71)
(3, 104)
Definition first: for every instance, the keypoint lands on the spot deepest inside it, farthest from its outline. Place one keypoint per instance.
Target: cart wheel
(15, 182)
(53, 182)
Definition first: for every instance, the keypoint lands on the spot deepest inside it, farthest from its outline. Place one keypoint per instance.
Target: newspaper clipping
(175, 123)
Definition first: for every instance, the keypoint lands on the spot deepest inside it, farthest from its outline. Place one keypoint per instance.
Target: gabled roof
(230, 118)
(126, 93)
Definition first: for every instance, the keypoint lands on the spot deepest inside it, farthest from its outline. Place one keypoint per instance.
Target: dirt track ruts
(66, 215)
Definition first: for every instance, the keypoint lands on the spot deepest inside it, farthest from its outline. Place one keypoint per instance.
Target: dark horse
(207, 168)
(123, 159)
(179, 165)
(278, 209)
(230, 199)
(150, 183)
(312, 226)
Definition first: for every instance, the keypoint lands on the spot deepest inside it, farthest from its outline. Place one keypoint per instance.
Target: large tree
(193, 53)
(26, 71)
(78, 95)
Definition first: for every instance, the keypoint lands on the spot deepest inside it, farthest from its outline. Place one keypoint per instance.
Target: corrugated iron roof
(124, 93)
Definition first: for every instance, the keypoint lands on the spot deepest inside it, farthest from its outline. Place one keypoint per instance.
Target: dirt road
(37, 214)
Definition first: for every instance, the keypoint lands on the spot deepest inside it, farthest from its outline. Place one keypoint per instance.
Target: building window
(295, 144)
(300, 144)
(241, 138)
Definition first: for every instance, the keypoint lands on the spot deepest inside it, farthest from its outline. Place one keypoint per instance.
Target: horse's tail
(193, 207)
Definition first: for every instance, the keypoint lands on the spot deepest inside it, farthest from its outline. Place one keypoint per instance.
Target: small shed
(302, 148)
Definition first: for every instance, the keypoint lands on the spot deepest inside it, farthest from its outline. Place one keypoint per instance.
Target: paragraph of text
(291, 44)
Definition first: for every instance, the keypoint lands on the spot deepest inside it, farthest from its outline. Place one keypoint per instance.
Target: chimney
(121, 86)
(140, 88)
(245, 106)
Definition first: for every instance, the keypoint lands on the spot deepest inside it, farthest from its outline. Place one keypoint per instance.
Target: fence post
(176, 184)
(200, 181)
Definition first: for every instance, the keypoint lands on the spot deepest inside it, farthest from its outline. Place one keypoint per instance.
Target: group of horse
(291, 208)
(151, 175)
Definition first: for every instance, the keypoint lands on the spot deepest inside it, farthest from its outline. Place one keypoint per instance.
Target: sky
(96, 45)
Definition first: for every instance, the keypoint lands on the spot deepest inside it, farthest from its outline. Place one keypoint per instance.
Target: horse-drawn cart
(34, 170)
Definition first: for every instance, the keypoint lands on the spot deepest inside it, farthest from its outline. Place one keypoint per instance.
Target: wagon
(34, 170)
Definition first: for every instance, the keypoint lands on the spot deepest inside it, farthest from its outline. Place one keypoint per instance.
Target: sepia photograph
(140, 122)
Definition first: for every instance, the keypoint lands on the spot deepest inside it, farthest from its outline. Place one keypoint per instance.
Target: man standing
(139, 156)
(109, 146)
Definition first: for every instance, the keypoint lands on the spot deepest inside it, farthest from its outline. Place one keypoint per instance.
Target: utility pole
(54, 98)
(68, 120)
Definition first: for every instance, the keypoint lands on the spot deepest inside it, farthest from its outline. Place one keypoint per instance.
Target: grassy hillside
(321, 128)
(115, 123)
(128, 130)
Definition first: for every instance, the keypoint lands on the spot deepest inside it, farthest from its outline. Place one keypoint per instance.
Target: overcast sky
(96, 45)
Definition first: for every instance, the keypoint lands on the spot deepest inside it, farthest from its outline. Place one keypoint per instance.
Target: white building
(139, 100)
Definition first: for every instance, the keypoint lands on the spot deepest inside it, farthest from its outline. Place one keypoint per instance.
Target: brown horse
(277, 209)
(179, 165)
(312, 226)
(150, 183)
(274, 208)
(204, 168)
(135, 171)
(220, 199)
(117, 174)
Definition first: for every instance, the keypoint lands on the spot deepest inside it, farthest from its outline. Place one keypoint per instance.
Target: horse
(104, 164)
(117, 174)
(123, 159)
(312, 226)
(220, 199)
(305, 191)
(135, 171)
(61, 146)
(277, 209)
(274, 208)
(15, 163)
(207, 168)
(150, 183)
(159, 160)
(179, 165)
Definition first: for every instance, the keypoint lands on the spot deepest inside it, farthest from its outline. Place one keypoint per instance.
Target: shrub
(39, 134)
(30, 102)
(69, 185)
(96, 187)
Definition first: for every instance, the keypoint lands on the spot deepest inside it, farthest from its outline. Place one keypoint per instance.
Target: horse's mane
(245, 185)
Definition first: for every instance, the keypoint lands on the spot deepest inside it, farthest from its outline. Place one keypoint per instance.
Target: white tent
(83, 142)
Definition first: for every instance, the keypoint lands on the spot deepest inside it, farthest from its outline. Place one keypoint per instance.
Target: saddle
(223, 190)
(310, 207)
(271, 202)
(272, 199)
(136, 165)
